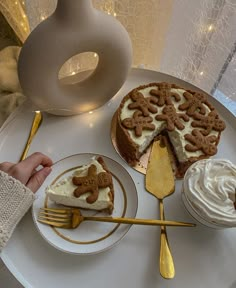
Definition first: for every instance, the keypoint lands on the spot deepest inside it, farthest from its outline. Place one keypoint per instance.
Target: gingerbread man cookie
(91, 183)
(138, 123)
(164, 94)
(172, 118)
(142, 103)
(201, 142)
(208, 123)
(194, 103)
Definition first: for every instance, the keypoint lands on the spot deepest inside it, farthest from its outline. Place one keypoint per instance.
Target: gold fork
(71, 219)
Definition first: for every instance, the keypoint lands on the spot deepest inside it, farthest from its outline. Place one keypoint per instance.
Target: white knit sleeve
(15, 200)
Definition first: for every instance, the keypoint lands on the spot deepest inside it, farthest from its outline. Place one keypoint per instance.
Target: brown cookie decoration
(209, 122)
(91, 183)
(194, 103)
(138, 123)
(172, 118)
(164, 94)
(143, 104)
(201, 142)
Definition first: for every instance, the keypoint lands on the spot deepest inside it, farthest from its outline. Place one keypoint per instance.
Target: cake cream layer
(63, 191)
(176, 137)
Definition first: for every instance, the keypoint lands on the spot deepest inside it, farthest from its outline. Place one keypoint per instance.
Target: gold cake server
(34, 128)
(160, 183)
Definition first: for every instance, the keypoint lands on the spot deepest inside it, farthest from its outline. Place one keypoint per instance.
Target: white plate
(89, 237)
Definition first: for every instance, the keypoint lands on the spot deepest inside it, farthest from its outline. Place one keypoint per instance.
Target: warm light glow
(210, 27)
(201, 73)
(114, 14)
(42, 17)
(95, 55)
(90, 112)
(73, 73)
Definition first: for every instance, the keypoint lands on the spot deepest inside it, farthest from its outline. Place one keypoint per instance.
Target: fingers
(27, 168)
(36, 159)
(5, 166)
(37, 179)
(31, 163)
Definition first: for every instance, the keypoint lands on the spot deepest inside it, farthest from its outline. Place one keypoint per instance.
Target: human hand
(25, 171)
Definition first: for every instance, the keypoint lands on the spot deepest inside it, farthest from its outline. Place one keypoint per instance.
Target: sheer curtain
(14, 13)
(192, 40)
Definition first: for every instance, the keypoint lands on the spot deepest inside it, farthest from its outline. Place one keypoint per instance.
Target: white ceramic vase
(74, 27)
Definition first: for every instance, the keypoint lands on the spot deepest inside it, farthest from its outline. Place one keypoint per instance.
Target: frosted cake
(190, 122)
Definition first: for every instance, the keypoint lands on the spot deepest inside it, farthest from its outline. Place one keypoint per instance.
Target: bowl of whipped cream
(209, 192)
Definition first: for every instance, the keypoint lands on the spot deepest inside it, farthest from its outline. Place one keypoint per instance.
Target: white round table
(203, 257)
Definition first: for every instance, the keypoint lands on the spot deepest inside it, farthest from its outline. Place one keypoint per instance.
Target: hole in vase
(78, 68)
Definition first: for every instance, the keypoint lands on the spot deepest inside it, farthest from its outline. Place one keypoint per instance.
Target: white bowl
(202, 192)
(196, 215)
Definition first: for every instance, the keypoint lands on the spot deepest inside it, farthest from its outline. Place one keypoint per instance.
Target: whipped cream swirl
(210, 188)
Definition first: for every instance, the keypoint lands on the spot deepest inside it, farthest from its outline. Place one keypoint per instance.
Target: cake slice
(89, 187)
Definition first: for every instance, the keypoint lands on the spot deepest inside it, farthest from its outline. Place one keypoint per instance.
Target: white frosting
(62, 191)
(210, 188)
(176, 136)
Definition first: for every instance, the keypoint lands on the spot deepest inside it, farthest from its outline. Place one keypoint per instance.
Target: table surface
(203, 257)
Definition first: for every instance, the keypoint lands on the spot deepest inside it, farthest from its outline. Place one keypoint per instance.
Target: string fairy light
(210, 27)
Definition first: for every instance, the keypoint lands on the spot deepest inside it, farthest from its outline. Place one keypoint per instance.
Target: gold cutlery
(160, 183)
(38, 117)
(71, 218)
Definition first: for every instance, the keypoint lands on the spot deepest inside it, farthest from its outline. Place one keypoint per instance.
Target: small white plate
(89, 237)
